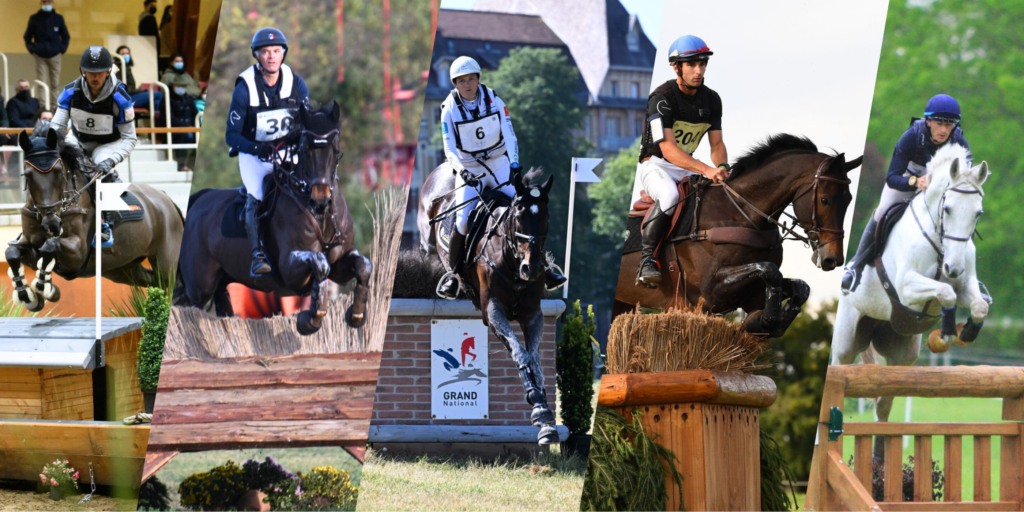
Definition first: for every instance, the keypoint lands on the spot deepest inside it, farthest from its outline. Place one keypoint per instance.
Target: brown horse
(309, 231)
(58, 225)
(505, 274)
(784, 170)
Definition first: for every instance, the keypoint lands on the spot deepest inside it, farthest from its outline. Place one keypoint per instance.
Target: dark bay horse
(784, 170)
(58, 225)
(308, 236)
(505, 280)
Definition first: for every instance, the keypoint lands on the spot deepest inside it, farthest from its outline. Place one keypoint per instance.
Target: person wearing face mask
(148, 25)
(22, 107)
(139, 97)
(201, 100)
(183, 113)
(177, 68)
(99, 112)
(47, 38)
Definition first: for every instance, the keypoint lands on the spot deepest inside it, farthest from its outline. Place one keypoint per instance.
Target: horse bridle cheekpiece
(44, 161)
(815, 228)
(941, 224)
(512, 227)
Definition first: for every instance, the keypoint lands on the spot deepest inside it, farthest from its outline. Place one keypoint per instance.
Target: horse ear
(51, 139)
(546, 187)
(335, 111)
(303, 112)
(23, 141)
(839, 161)
(855, 163)
(983, 173)
(954, 170)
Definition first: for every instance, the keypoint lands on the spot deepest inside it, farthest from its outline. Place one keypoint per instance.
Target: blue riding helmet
(269, 36)
(687, 49)
(943, 107)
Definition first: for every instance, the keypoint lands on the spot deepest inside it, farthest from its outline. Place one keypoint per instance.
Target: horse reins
(292, 184)
(941, 223)
(69, 200)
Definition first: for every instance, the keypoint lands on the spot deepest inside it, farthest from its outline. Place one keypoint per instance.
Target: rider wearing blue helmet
(263, 104)
(917, 146)
(679, 113)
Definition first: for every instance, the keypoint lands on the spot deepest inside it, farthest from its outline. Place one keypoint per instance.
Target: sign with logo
(458, 369)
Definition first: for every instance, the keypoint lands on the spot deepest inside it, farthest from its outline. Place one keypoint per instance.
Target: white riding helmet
(463, 66)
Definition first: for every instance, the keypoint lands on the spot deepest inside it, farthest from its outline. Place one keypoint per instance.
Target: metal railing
(46, 91)
(7, 89)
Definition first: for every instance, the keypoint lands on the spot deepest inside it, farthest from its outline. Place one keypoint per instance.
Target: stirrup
(643, 281)
(444, 278)
(257, 258)
(552, 267)
(109, 242)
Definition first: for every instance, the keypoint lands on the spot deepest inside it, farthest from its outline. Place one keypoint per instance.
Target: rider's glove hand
(469, 178)
(105, 166)
(265, 152)
(515, 167)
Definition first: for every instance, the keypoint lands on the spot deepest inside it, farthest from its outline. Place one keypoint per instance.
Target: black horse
(505, 274)
(309, 230)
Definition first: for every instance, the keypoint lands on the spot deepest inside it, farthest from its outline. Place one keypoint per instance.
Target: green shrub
(323, 488)
(574, 363)
(217, 489)
(154, 495)
(154, 332)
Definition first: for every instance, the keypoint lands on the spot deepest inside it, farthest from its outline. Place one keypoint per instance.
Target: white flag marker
(582, 171)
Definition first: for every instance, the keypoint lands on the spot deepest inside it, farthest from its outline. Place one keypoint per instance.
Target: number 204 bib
(479, 135)
(688, 135)
(273, 124)
(92, 124)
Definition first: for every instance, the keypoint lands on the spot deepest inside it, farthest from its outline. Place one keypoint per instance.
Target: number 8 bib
(92, 124)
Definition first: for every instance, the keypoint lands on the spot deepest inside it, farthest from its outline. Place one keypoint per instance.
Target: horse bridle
(942, 218)
(511, 235)
(69, 198)
(291, 184)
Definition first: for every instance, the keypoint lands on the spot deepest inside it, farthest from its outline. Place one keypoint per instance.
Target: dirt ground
(29, 500)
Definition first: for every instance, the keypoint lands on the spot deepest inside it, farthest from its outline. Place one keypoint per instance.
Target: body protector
(96, 119)
(478, 130)
(269, 115)
(689, 117)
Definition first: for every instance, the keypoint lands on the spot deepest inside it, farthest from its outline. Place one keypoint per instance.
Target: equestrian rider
(679, 113)
(264, 102)
(102, 119)
(478, 139)
(941, 125)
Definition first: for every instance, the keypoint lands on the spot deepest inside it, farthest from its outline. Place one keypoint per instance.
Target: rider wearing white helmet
(478, 141)
(101, 117)
(263, 104)
(679, 113)
(906, 176)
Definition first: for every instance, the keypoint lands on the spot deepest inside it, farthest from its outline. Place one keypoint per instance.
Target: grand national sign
(458, 369)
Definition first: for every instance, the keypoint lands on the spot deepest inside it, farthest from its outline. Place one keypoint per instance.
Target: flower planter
(148, 400)
(577, 444)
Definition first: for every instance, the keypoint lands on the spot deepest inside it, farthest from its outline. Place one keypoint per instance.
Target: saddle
(232, 225)
(477, 225)
(905, 321)
(885, 225)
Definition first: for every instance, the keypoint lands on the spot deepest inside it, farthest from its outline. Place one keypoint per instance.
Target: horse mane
(768, 149)
(532, 178)
(945, 156)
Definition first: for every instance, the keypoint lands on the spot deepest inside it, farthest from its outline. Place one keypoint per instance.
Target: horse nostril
(829, 262)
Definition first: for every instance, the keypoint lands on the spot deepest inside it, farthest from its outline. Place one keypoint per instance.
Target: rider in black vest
(263, 104)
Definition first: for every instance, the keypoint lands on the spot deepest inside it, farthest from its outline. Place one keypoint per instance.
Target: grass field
(949, 410)
(292, 459)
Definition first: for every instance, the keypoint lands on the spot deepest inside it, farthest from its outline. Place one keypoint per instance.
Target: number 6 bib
(273, 124)
(479, 135)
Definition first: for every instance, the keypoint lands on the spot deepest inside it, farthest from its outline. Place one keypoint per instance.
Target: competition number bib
(479, 135)
(92, 124)
(688, 135)
(273, 124)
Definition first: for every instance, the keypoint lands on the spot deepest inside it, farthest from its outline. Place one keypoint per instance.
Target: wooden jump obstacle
(710, 420)
(835, 486)
(263, 402)
(56, 378)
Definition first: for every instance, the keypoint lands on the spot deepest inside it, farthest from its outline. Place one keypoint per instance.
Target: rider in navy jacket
(46, 35)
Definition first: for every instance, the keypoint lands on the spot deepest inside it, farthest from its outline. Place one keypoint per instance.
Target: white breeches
(660, 180)
(97, 152)
(253, 171)
(499, 169)
(890, 196)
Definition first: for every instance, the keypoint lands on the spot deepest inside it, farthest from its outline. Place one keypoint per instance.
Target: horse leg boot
(797, 292)
(356, 314)
(865, 253)
(311, 320)
(449, 286)
(649, 273)
(23, 294)
(43, 283)
(260, 265)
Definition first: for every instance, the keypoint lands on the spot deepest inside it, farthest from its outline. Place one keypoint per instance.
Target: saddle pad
(232, 225)
(682, 229)
(135, 211)
(444, 232)
(889, 220)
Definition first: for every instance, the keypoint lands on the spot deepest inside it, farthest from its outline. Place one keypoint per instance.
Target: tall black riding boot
(449, 288)
(553, 278)
(652, 231)
(260, 265)
(865, 253)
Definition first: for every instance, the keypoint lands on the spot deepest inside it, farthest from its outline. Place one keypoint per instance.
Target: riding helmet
(96, 59)
(463, 66)
(687, 49)
(268, 36)
(943, 107)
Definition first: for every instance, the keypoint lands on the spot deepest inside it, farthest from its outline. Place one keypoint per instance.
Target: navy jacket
(913, 151)
(22, 109)
(47, 35)
(239, 131)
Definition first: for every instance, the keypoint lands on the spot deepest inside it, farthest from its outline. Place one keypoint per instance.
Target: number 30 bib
(273, 124)
(92, 124)
(479, 135)
(688, 135)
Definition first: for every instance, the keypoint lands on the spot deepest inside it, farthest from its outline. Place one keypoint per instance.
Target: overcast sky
(649, 12)
(800, 67)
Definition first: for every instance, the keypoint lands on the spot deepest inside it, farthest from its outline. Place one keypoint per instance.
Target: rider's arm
(448, 138)
(900, 160)
(301, 89)
(236, 122)
(719, 155)
(511, 143)
(125, 125)
(62, 116)
(676, 156)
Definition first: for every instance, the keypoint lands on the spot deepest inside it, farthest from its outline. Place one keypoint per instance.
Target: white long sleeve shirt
(471, 136)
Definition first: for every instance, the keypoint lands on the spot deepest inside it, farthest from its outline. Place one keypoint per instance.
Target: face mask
(48, 8)
(180, 91)
(152, 10)
(23, 93)
(127, 59)
(178, 65)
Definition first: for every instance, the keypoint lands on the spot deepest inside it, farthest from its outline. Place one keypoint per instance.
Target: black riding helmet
(269, 36)
(96, 59)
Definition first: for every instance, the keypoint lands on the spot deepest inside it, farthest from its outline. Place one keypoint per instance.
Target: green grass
(293, 459)
(945, 410)
(548, 482)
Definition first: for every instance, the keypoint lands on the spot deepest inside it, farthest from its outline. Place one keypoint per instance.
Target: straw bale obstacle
(689, 374)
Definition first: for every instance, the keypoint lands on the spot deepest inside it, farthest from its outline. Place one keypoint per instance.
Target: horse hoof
(31, 301)
(304, 324)
(959, 332)
(55, 296)
(354, 320)
(935, 343)
(547, 435)
(541, 416)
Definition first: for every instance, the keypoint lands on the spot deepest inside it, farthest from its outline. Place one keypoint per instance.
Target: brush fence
(709, 419)
(62, 394)
(835, 486)
(401, 410)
